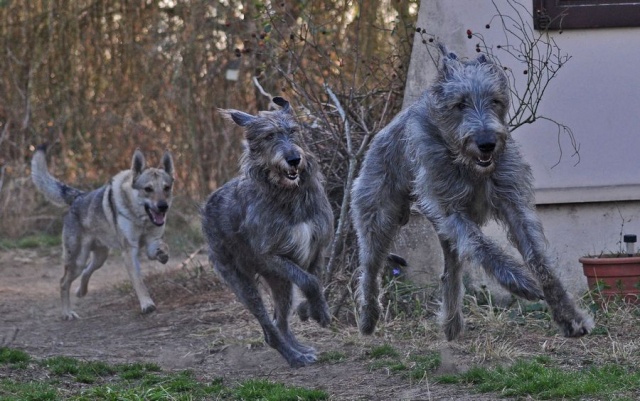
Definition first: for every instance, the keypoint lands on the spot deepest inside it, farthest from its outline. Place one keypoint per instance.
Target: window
(572, 14)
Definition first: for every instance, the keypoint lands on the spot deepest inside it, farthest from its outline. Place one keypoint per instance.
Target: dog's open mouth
(156, 217)
(291, 174)
(484, 160)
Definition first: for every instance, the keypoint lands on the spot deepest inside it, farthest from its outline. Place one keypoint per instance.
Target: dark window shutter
(580, 14)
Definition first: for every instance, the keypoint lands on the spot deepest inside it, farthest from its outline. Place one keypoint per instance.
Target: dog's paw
(69, 315)
(577, 327)
(148, 308)
(321, 314)
(81, 291)
(369, 315)
(305, 349)
(303, 311)
(300, 360)
(453, 327)
(162, 256)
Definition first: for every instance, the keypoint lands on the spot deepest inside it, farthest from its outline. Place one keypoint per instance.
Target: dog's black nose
(486, 143)
(163, 206)
(293, 161)
(487, 147)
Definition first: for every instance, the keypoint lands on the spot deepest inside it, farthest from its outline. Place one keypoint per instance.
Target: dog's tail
(55, 191)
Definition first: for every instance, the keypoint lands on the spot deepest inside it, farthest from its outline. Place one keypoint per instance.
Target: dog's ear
(445, 52)
(167, 162)
(282, 102)
(137, 163)
(239, 117)
(448, 61)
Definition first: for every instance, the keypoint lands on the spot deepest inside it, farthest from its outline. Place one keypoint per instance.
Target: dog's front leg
(284, 268)
(462, 239)
(525, 229)
(133, 268)
(471, 244)
(158, 250)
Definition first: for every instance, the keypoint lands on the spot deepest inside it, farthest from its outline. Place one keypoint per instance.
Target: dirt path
(198, 325)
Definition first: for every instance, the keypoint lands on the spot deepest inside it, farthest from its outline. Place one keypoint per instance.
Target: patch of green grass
(414, 367)
(383, 351)
(391, 364)
(13, 356)
(423, 364)
(11, 390)
(62, 365)
(332, 356)
(62, 377)
(599, 330)
(264, 390)
(135, 371)
(176, 386)
(541, 380)
(83, 371)
(31, 241)
(118, 391)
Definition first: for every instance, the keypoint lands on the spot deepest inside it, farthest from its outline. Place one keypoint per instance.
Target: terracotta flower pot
(614, 277)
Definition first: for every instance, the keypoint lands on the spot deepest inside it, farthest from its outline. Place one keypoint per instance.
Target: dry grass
(22, 210)
(202, 318)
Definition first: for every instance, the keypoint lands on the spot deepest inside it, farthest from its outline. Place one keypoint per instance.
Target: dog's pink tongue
(158, 218)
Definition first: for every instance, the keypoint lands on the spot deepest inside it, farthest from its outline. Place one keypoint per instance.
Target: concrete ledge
(612, 193)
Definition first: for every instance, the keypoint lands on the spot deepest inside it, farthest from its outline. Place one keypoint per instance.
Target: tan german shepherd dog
(128, 213)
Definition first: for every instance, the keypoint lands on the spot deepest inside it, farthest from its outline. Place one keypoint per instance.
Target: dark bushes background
(97, 78)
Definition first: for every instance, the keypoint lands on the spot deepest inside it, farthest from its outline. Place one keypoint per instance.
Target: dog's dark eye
(461, 106)
(497, 103)
(167, 188)
(270, 136)
(148, 189)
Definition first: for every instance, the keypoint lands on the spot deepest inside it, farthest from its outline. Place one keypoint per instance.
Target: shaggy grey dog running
(274, 221)
(451, 152)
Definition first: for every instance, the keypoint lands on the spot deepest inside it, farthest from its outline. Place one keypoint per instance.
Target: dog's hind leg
(376, 226)
(248, 294)
(526, 232)
(75, 257)
(452, 293)
(133, 268)
(281, 294)
(99, 256)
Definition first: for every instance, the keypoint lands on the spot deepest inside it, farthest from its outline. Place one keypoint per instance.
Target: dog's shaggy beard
(278, 173)
(463, 146)
(285, 176)
(475, 160)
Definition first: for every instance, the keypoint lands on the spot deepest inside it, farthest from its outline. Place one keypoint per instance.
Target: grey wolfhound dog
(128, 213)
(273, 222)
(451, 152)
